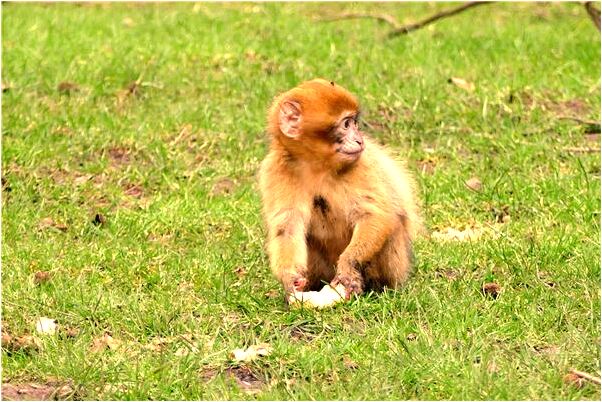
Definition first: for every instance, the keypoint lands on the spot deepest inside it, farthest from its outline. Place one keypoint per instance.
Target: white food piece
(326, 297)
(251, 353)
(46, 326)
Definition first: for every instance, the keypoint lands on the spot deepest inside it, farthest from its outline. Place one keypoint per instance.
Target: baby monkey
(338, 209)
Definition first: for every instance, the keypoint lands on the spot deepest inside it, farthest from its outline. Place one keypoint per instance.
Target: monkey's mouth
(351, 152)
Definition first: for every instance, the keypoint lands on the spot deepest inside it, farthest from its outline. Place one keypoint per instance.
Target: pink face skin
(349, 143)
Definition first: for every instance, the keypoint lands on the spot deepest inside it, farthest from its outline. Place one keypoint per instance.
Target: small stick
(593, 12)
(389, 19)
(586, 376)
(581, 150)
(447, 13)
(580, 121)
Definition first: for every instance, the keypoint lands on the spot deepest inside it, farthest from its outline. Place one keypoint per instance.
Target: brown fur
(329, 220)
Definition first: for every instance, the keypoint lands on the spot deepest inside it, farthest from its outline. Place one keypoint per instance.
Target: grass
(156, 237)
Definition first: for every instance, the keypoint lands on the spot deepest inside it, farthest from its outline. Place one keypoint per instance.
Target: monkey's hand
(351, 280)
(295, 281)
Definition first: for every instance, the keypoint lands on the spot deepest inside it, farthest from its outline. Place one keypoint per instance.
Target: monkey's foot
(326, 297)
(353, 284)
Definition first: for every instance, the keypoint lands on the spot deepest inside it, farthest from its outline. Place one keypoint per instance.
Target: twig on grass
(580, 121)
(581, 150)
(593, 12)
(399, 29)
(403, 30)
(586, 376)
(389, 19)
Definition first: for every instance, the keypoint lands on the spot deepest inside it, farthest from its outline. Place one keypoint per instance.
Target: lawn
(131, 139)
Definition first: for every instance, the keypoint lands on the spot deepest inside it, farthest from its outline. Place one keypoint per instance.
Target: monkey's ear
(290, 119)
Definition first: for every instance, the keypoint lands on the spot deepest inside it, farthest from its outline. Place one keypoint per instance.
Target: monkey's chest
(329, 226)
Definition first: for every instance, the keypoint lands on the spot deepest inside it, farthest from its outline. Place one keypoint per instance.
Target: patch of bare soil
(48, 391)
(223, 186)
(119, 155)
(245, 379)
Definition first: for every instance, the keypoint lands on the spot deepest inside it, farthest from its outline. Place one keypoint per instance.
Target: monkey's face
(348, 139)
(321, 119)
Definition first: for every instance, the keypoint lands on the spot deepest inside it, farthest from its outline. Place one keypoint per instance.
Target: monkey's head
(318, 120)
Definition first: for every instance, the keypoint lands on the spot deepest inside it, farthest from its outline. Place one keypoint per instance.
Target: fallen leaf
(41, 277)
(71, 332)
(134, 190)
(240, 271)
(104, 342)
(462, 83)
(67, 87)
(411, 336)
(474, 184)
(6, 338)
(491, 289)
(326, 297)
(23, 343)
(81, 179)
(48, 222)
(46, 326)
(573, 380)
(251, 353)
(350, 364)
(223, 186)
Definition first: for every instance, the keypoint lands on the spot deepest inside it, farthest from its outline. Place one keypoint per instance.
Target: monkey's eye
(346, 123)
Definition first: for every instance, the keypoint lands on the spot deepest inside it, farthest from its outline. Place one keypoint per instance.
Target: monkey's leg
(393, 264)
(287, 249)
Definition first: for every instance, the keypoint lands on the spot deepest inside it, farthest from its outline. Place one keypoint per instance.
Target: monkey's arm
(370, 233)
(287, 248)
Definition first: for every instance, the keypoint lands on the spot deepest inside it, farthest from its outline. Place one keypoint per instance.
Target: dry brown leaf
(462, 83)
(134, 190)
(491, 289)
(41, 277)
(20, 343)
(48, 222)
(46, 326)
(223, 186)
(474, 184)
(349, 363)
(71, 332)
(573, 380)
(67, 87)
(251, 353)
(105, 342)
(82, 178)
